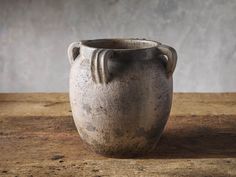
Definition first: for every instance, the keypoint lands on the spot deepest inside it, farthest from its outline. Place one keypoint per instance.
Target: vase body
(121, 93)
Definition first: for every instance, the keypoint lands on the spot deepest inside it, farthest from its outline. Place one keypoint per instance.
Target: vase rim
(120, 44)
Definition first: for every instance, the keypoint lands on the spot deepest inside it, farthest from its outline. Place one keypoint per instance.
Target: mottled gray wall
(34, 35)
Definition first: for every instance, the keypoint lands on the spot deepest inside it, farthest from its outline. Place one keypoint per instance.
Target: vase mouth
(120, 44)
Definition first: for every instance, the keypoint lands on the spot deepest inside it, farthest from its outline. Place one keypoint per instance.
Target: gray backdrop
(34, 35)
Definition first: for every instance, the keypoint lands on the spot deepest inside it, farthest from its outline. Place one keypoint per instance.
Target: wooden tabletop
(38, 138)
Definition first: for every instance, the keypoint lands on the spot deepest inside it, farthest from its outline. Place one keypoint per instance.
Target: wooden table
(38, 138)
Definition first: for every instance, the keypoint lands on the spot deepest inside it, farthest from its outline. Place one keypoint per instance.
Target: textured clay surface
(126, 114)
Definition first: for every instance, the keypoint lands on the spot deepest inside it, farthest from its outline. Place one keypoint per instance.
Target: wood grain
(38, 138)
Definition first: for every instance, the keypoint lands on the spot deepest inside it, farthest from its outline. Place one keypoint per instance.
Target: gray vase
(121, 93)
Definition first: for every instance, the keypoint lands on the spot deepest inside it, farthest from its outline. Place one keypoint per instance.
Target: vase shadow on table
(195, 137)
(198, 140)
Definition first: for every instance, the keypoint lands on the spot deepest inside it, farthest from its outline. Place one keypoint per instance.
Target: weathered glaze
(121, 93)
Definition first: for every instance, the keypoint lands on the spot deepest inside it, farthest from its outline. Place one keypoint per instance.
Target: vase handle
(73, 51)
(171, 55)
(99, 66)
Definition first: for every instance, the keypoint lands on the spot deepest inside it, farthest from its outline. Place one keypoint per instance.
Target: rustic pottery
(121, 93)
